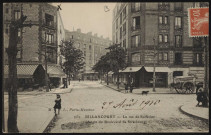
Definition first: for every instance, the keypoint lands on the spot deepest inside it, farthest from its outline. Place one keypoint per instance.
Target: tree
(117, 59)
(102, 66)
(74, 60)
(12, 78)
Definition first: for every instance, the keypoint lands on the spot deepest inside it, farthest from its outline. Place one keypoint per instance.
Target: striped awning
(23, 71)
(131, 69)
(54, 71)
(158, 69)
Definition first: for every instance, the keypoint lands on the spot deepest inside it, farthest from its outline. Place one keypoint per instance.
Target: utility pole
(154, 77)
(206, 58)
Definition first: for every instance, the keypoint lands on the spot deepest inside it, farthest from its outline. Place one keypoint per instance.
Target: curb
(191, 115)
(120, 90)
(46, 130)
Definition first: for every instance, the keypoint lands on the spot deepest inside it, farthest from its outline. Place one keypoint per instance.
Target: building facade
(33, 43)
(157, 33)
(92, 46)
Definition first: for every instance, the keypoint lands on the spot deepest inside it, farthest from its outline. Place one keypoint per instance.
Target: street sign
(198, 22)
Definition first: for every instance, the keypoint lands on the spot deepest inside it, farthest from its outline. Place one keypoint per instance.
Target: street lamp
(154, 77)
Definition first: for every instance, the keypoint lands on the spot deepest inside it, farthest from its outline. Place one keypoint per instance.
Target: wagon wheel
(179, 89)
(188, 87)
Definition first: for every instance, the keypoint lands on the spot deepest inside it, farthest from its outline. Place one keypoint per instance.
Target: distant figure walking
(126, 88)
(131, 88)
(57, 104)
(65, 83)
(49, 85)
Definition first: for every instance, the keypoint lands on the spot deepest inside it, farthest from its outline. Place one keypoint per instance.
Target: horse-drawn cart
(184, 84)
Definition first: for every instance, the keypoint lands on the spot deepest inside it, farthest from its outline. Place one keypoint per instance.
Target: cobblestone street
(91, 98)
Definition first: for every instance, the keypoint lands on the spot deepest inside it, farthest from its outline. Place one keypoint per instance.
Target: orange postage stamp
(198, 22)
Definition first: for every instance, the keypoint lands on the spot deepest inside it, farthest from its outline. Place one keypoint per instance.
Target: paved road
(119, 112)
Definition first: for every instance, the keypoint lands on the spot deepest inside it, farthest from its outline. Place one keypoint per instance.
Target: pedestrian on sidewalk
(65, 83)
(49, 85)
(131, 88)
(126, 88)
(57, 104)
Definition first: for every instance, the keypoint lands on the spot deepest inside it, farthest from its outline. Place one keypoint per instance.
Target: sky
(89, 17)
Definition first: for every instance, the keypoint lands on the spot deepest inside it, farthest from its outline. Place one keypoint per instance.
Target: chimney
(95, 34)
(79, 30)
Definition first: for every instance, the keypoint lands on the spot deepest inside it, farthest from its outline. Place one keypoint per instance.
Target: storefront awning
(157, 69)
(89, 72)
(131, 69)
(55, 71)
(23, 71)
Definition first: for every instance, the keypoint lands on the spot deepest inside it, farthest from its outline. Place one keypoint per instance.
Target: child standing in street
(57, 104)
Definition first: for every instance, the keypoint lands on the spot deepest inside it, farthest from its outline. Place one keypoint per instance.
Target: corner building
(46, 33)
(155, 29)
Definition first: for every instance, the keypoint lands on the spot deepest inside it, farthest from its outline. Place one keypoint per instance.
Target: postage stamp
(198, 22)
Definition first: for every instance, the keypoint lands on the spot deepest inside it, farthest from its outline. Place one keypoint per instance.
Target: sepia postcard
(105, 67)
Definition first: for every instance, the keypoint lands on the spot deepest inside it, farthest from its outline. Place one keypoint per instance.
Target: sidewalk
(139, 90)
(34, 118)
(188, 109)
(198, 112)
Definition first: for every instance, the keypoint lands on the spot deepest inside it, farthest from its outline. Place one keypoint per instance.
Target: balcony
(178, 9)
(164, 7)
(163, 26)
(134, 28)
(178, 63)
(49, 24)
(135, 9)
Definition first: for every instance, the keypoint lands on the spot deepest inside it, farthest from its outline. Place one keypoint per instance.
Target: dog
(145, 92)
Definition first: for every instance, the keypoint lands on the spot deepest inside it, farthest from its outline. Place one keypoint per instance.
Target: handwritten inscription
(130, 104)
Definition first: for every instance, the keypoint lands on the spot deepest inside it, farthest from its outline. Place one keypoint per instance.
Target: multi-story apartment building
(93, 48)
(45, 35)
(157, 33)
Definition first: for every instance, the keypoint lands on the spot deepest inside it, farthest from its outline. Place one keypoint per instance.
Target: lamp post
(46, 70)
(46, 67)
(154, 77)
